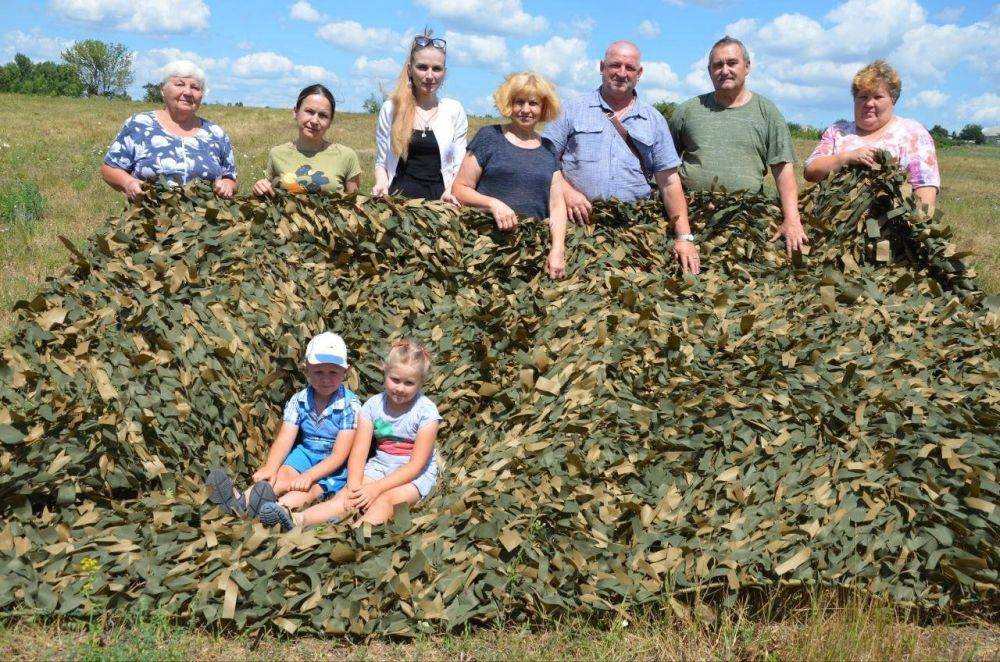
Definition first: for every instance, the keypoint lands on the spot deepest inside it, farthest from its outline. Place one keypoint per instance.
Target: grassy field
(50, 151)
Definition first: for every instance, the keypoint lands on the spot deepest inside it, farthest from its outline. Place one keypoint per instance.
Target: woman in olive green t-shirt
(310, 164)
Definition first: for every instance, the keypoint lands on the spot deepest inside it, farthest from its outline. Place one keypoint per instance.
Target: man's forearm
(788, 191)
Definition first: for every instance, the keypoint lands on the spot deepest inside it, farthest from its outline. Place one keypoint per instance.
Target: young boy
(308, 458)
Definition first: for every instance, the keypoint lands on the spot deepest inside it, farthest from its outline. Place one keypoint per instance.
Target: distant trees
(973, 132)
(22, 76)
(104, 69)
(373, 103)
(153, 93)
(666, 108)
(804, 131)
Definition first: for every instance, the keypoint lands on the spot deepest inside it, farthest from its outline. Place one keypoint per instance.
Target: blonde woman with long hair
(420, 139)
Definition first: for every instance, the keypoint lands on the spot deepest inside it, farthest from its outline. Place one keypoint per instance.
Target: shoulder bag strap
(627, 138)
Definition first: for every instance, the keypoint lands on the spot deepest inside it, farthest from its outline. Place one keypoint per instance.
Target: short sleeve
(483, 146)
(779, 143)
(270, 170)
(227, 159)
(922, 169)
(291, 415)
(121, 152)
(369, 410)
(557, 133)
(354, 406)
(826, 145)
(427, 414)
(676, 126)
(663, 154)
(353, 166)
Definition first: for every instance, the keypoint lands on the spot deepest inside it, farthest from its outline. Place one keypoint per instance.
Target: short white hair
(183, 69)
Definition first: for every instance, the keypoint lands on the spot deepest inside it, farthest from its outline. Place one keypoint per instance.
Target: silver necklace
(426, 120)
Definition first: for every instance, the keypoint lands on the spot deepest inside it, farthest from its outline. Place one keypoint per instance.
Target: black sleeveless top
(423, 162)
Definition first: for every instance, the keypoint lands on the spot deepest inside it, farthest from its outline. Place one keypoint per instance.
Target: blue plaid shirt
(595, 159)
(319, 431)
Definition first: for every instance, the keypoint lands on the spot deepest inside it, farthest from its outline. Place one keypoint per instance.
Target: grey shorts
(384, 464)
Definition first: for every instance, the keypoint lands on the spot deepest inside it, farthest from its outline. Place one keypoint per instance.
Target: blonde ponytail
(404, 110)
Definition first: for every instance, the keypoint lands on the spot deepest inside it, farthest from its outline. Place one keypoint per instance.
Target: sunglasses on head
(422, 41)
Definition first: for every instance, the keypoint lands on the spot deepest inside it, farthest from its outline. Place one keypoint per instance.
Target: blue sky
(804, 53)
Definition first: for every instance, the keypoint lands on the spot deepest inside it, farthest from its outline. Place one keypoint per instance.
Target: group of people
(602, 145)
(605, 144)
(321, 466)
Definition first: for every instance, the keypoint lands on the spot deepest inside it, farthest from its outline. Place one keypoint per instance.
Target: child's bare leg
(380, 510)
(295, 499)
(283, 478)
(331, 509)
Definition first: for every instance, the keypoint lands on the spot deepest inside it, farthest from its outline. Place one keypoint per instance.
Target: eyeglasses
(422, 41)
(406, 344)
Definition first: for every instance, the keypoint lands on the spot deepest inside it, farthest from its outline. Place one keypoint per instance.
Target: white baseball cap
(327, 347)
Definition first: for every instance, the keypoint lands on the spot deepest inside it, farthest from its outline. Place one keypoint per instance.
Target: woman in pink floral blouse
(876, 89)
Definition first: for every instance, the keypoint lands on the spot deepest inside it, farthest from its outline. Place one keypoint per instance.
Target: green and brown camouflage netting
(616, 439)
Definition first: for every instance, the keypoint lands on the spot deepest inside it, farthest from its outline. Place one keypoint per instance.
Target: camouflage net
(624, 437)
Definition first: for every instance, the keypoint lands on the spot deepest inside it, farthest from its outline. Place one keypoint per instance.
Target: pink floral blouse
(905, 139)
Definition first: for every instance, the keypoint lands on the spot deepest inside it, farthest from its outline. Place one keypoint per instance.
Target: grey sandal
(260, 494)
(272, 513)
(222, 494)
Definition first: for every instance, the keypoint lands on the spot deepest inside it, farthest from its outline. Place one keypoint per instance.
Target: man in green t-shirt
(730, 137)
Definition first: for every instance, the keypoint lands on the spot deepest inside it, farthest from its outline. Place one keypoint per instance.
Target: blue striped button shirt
(319, 431)
(595, 159)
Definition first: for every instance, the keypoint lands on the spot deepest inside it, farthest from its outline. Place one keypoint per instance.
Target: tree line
(89, 68)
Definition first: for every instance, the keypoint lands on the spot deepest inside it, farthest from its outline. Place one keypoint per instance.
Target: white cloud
(478, 50)
(649, 28)
(578, 26)
(983, 109)
(36, 46)
(565, 61)
(382, 68)
(245, 45)
(272, 65)
(304, 11)
(928, 99)
(656, 94)
(148, 64)
(697, 78)
(152, 16)
(708, 4)
(867, 27)
(930, 51)
(950, 14)
(658, 74)
(352, 36)
(489, 16)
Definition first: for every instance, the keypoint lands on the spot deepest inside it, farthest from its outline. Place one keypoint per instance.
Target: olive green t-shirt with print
(737, 145)
(326, 171)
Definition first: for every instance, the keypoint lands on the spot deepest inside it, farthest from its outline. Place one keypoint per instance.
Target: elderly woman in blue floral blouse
(172, 142)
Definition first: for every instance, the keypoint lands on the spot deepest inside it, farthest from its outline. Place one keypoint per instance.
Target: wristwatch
(686, 237)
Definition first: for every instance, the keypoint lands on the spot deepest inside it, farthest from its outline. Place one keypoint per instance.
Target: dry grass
(857, 630)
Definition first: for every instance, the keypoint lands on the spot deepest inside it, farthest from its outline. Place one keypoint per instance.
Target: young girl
(403, 423)
(308, 457)
(310, 163)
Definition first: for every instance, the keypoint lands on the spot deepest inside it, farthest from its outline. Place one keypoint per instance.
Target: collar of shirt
(337, 402)
(637, 109)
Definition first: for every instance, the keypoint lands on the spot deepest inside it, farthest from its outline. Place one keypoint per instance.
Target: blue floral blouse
(145, 150)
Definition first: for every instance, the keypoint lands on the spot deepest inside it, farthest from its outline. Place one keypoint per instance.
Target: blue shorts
(384, 464)
(302, 460)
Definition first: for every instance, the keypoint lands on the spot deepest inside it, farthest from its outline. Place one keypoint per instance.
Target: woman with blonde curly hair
(510, 171)
(876, 90)
(420, 139)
